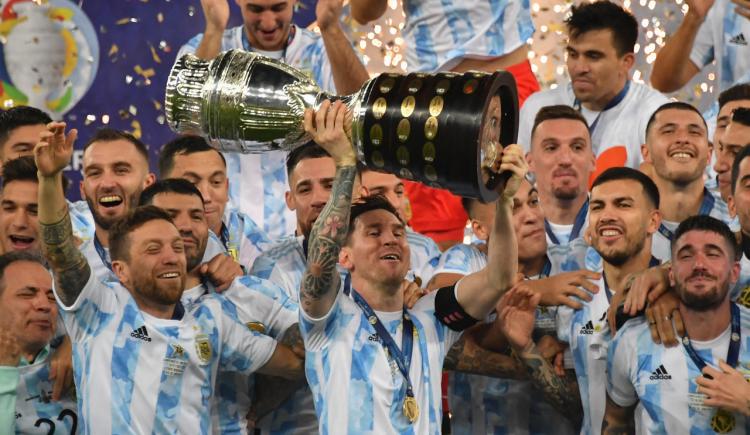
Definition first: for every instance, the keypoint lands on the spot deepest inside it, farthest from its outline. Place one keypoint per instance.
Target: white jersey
(741, 291)
(82, 220)
(712, 205)
(723, 37)
(439, 34)
(424, 256)
(260, 194)
(283, 264)
(619, 132)
(569, 234)
(483, 405)
(36, 412)
(366, 394)
(243, 239)
(150, 374)
(662, 379)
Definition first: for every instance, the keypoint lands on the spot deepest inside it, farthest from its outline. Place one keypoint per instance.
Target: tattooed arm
(468, 357)
(618, 420)
(71, 270)
(320, 281)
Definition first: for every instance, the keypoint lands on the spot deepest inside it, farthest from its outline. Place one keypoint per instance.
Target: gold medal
(411, 409)
(721, 422)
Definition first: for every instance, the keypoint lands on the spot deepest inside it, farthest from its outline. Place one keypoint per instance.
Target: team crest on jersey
(722, 421)
(256, 326)
(203, 348)
(175, 364)
(744, 298)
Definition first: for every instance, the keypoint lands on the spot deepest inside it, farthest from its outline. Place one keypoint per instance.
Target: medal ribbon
(102, 253)
(733, 353)
(402, 359)
(706, 206)
(577, 225)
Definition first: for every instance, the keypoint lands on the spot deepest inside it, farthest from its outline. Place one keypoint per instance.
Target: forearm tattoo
(618, 420)
(561, 393)
(293, 337)
(327, 235)
(68, 264)
(470, 358)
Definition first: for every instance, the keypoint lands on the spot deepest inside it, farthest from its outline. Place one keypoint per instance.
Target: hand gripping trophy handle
(445, 129)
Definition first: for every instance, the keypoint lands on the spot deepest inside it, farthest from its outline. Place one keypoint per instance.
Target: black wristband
(450, 312)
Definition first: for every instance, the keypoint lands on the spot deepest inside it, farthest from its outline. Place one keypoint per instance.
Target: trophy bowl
(445, 130)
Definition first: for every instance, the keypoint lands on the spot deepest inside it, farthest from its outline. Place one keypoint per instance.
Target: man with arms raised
(623, 215)
(328, 58)
(677, 148)
(391, 382)
(600, 54)
(658, 389)
(191, 158)
(133, 338)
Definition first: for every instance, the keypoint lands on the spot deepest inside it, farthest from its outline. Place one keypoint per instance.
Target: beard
(567, 193)
(166, 294)
(618, 258)
(704, 302)
(106, 222)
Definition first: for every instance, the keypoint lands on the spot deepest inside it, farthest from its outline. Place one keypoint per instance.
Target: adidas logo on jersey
(739, 40)
(660, 374)
(141, 334)
(587, 329)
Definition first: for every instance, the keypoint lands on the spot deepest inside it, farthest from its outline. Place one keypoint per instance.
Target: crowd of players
(301, 292)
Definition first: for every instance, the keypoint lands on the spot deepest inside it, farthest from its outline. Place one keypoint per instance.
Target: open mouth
(110, 201)
(21, 241)
(609, 232)
(169, 275)
(391, 257)
(682, 155)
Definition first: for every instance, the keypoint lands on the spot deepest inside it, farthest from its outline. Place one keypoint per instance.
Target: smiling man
(677, 147)
(19, 226)
(600, 54)
(726, 149)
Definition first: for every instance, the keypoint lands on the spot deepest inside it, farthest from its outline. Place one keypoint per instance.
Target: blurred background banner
(104, 63)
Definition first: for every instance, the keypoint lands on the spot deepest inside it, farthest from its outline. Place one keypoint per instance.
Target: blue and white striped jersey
(263, 307)
(82, 220)
(262, 197)
(723, 37)
(243, 239)
(153, 375)
(484, 405)
(741, 291)
(355, 387)
(36, 412)
(662, 379)
(439, 33)
(424, 256)
(283, 264)
(662, 239)
(587, 332)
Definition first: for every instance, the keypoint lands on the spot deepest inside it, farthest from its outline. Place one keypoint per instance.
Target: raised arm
(479, 292)
(70, 268)
(365, 11)
(216, 13)
(321, 281)
(348, 72)
(673, 67)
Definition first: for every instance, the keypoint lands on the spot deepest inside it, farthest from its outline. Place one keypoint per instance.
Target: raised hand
(330, 127)
(327, 13)
(54, 150)
(216, 13)
(699, 8)
(517, 313)
(513, 161)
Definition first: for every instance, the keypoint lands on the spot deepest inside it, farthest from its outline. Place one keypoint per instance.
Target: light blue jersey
(136, 373)
(662, 379)
(283, 264)
(243, 239)
(440, 33)
(712, 205)
(723, 37)
(741, 291)
(485, 405)
(355, 387)
(263, 307)
(260, 194)
(36, 412)
(424, 256)
(82, 220)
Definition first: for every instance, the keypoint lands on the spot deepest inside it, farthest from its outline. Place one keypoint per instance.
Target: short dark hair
(742, 155)
(110, 134)
(710, 224)
(558, 111)
(468, 205)
(24, 169)
(741, 115)
(735, 93)
(604, 15)
(625, 173)
(179, 186)
(370, 203)
(184, 145)
(20, 116)
(15, 256)
(310, 150)
(119, 234)
(678, 105)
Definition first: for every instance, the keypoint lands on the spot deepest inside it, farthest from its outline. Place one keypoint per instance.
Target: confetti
(154, 54)
(127, 20)
(145, 73)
